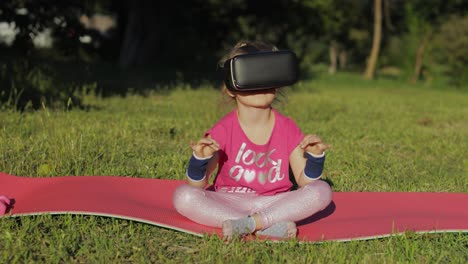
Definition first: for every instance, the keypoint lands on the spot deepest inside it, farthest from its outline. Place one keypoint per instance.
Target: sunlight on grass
(383, 139)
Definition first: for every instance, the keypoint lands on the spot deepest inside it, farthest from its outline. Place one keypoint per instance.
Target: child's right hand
(205, 147)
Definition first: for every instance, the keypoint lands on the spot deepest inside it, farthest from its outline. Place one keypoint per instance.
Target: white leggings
(213, 208)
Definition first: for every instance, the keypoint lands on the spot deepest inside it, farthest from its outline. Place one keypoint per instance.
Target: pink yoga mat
(351, 215)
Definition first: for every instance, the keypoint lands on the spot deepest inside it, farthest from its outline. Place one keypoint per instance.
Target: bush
(26, 84)
(451, 42)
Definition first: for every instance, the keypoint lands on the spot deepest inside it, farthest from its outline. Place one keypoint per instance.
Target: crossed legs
(277, 211)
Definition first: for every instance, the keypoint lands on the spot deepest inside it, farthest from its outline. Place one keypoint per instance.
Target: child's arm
(203, 162)
(210, 167)
(307, 160)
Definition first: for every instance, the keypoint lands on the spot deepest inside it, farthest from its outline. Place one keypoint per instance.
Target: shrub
(26, 84)
(451, 42)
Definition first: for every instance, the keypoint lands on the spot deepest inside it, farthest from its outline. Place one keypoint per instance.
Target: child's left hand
(313, 144)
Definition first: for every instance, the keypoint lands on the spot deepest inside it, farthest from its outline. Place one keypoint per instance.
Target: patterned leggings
(213, 208)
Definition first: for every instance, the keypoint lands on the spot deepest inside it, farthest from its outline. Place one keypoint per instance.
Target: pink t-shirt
(245, 167)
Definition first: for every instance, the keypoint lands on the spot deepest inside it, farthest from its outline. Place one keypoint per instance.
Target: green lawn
(386, 136)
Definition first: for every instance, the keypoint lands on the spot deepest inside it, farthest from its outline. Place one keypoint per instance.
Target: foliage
(32, 17)
(29, 77)
(402, 49)
(26, 84)
(345, 24)
(451, 43)
(156, 43)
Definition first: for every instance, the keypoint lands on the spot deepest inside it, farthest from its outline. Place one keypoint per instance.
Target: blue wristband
(197, 168)
(314, 166)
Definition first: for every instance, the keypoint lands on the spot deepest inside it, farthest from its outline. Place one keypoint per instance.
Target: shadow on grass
(29, 80)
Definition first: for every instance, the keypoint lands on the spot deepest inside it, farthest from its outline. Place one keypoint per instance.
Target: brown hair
(245, 47)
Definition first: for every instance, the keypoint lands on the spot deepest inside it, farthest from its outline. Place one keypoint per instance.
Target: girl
(253, 147)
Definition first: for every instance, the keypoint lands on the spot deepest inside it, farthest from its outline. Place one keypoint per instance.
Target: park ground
(386, 136)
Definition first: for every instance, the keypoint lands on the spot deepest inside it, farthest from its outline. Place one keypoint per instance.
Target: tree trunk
(140, 39)
(388, 17)
(333, 58)
(418, 65)
(372, 61)
(343, 59)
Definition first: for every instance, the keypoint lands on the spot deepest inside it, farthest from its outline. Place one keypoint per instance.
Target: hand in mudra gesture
(313, 144)
(205, 147)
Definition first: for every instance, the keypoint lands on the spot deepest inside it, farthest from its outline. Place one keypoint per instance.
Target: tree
(31, 17)
(451, 42)
(142, 34)
(338, 18)
(422, 18)
(374, 54)
(25, 79)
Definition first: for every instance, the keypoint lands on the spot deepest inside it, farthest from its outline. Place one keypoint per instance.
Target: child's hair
(245, 47)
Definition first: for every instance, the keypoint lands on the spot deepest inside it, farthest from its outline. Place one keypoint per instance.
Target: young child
(253, 147)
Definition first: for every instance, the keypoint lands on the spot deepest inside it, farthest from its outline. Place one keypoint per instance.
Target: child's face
(258, 99)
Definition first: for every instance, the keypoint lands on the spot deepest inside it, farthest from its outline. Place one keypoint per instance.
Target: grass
(385, 137)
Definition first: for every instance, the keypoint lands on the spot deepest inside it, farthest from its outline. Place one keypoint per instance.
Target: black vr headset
(260, 71)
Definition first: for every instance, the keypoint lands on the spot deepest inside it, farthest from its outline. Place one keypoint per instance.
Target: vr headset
(260, 71)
